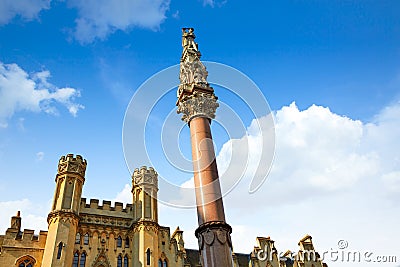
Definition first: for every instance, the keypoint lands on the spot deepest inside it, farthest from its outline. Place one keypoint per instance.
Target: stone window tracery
(26, 261)
(119, 261)
(78, 238)
(75, 261)
(126, 261)
(119, 242)
(83, 260)
(86, 239)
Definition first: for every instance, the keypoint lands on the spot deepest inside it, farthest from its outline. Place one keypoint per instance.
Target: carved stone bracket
(198, 105)
(210, 232)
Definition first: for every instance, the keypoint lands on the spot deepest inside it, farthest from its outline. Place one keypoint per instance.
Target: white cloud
(212, 3)
(317, 152)
(20, 91)
(333, 177)
(99, 18)
(30, 219)
(176, 15)
(392, 181)
(125, 196)
(39, 156)
(330, 172)
(26, 9)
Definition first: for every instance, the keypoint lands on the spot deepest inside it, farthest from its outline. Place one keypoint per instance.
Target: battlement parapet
(106, 208)
(71, 164)
(144, 170)
(145, 176)
(26, 238)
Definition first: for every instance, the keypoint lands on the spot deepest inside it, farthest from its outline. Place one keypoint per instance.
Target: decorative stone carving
(146, 225)
(221, 236)
(145, 176)
(195, 96)
(208, 232)
(63, 215)
(71, 164)
(101, 260)
(89, 219)
(197, 105)
(209, 237)
(193, 72)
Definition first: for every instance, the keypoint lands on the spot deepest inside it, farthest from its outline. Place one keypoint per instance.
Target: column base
(215, 244)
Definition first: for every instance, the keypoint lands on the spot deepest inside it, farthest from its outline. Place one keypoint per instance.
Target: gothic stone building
(82, 233)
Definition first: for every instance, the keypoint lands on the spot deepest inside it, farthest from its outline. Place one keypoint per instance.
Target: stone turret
(145, 238)
(144, 193)
(64, 217)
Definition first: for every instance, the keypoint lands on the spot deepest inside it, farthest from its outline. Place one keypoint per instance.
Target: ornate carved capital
(210, 232)
(198, 105)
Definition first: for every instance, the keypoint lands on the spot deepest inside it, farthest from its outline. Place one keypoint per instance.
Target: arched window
(78, 238)
(127, 242)
(59, 251)
(126, 261)
(165, 263)
(76, 260)
(26, 261)
(160, 263)
(148, 256)
(119, 261)
(86, 239)
(83, 260)
(119, 242)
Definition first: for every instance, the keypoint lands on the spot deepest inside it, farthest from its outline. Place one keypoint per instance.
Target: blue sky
(90, 57)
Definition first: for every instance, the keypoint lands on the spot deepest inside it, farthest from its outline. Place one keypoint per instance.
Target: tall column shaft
(213, 232)
(208, 191)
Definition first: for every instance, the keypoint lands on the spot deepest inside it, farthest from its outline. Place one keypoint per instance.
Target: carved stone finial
(195, 95)
(192, 71)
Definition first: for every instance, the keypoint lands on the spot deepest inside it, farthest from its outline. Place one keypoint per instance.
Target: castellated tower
(144, 193)
(63, 219)
(145, 231)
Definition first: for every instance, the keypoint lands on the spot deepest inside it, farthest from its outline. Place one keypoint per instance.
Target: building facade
(85, 233)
